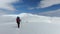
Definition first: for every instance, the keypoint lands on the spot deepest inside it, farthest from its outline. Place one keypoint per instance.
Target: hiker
(18, 20)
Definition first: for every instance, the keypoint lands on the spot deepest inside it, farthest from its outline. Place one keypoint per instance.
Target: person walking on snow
(18, 20)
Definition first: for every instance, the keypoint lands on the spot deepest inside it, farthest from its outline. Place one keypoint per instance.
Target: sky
(30, 6)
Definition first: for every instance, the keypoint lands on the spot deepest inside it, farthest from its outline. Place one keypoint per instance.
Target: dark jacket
(18, 20)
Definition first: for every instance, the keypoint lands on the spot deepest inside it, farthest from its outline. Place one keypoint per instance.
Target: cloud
(6, 4)
(30, 8)
(53, 13)
(47, 3)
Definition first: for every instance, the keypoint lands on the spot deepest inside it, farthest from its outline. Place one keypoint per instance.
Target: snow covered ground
(30, 24)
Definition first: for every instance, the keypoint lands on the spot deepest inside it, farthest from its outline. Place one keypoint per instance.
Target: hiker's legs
(18, 25)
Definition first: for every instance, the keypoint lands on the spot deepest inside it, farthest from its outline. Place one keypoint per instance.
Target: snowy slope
(8, 25)
(35, 24)
(37, 18)
(30, 24)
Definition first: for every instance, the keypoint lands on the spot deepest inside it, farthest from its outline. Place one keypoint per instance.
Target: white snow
(30, 24)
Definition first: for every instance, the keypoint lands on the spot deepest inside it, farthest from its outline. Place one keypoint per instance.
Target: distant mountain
(32, 18)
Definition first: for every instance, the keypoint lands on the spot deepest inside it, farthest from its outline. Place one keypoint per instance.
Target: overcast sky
(29, 6)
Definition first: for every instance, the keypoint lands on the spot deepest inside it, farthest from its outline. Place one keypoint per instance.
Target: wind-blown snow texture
(30, 24)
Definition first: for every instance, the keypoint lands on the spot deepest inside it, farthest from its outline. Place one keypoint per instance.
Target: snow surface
(30, 24)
